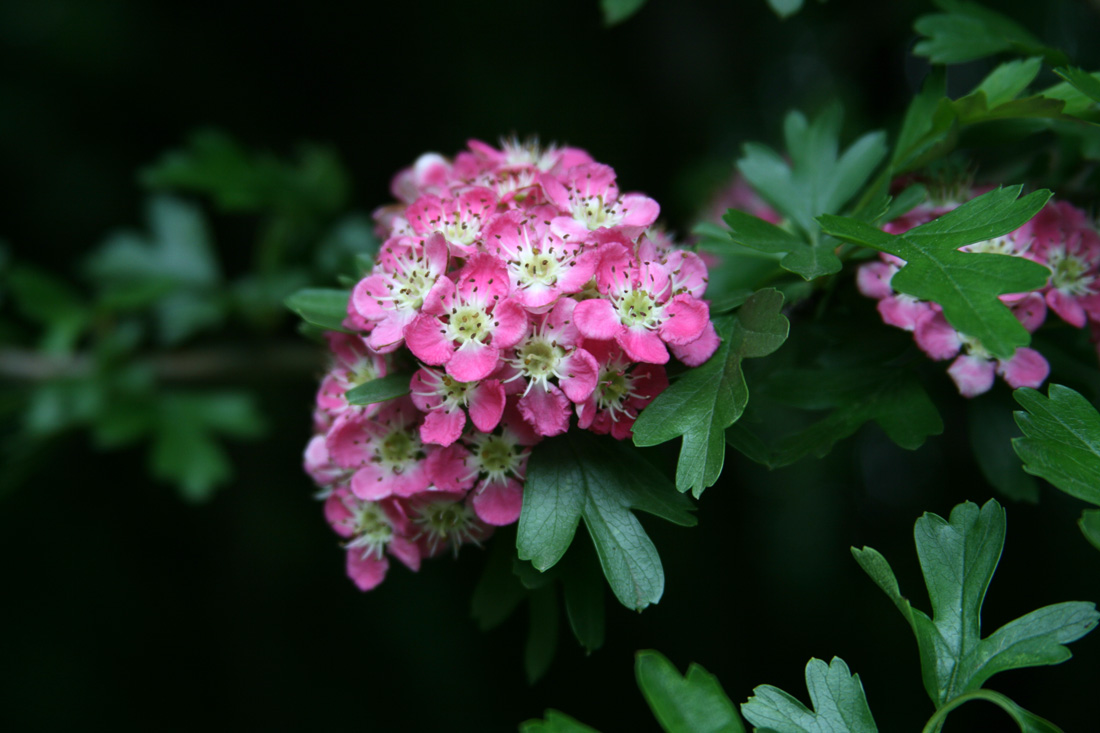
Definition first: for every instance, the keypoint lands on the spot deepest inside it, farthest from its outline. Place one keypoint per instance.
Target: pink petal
(972, 375)
(582, 374)
(472, 361)
(499, 504)
(902, 312)
(698, 351)
(1031, 310)
(427, 339)
(509, 324)
(441, 427)
(446, 468)
(686, 318)
(366, 572)
(486, 404)
(936, 337)
(1067, 308)
(641, 344)
(337, 514)
(639, 212)
(405, 550)
(1026, 368)
(873, 279)
(370, 483)
(347, 441)
(547, 411)
(596, 319)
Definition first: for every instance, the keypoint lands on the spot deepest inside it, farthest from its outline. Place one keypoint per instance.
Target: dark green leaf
(584, 591)
(542, 633)
(1090, 526)
(498, 592)
(958, 558)
(785, 8)
(555, 722)
(51, 302)
(992, 431)
(324, 307)
(1082, 81)
(1061, 440)
(1026, 721)
(968, 31)
(839, 703)
(600, 480)
(966, 284)
(708, 399)
(923, 134)
(692, 703)
(816, 181)
(616, 11)
(379, 390)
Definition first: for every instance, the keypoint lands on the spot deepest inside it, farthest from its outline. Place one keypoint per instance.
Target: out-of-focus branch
(279, 361)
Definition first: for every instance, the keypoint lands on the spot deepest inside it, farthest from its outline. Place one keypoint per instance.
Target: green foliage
(1090, 526)
(710, 398)
(966, 284)
(616, 11)
(785, 8)
(555, 722)
(51, 303)
(991, 432)
(815, 182)
(323, 307)
(1061, 440)
(1084, 82)
(601, 481)
(835, 693)
(958, 558)
(379, 390)
(690, 703)
(967, 31)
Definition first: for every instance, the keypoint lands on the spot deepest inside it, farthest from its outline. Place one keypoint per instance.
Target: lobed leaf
(692, 703)
(958, 557)
(708, 399)
(601, 481)
(1061, 440)
(968, 31)
(839, 703)
(965, 284)
(324, 307)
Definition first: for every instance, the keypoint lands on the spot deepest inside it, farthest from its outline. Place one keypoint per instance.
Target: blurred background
(125, 605)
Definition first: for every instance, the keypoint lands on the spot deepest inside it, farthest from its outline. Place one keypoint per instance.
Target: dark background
(124, 607)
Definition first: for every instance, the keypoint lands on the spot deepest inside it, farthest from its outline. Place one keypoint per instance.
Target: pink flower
(1066, 241)
(441, 398)
(384, 451)
(591, 199)
(623, 390)
(371, 529)
(458, 218)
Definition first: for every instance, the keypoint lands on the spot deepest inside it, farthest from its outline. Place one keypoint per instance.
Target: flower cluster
(1060, 236)
(518, 288)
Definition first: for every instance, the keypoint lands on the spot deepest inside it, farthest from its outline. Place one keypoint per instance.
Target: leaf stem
(935, 723)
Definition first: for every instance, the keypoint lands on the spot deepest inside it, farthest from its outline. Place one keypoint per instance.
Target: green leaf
(52, 303)
(785, 8)
(692, 703)
(238, 180)
(324, 307)
(599, 480)
(705, 401)
(580, 579)
(968, 31)
(1027, 722)
(1081, 80)
(379, 390)
(966, 284)
(185, 449)
(958, 558)
(991, 430)
(555, 722)
(616, 11)
(839, 703)
(924, 134)
(1090, 526)
(542, 633)
(815, 182)
(1061, 440)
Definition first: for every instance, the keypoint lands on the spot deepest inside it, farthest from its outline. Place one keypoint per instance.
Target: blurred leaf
(185, 450)
(322, 307)
(1090, 526)
(1061, 440)
(542, 633)
(584, 591)
(958, 558)
(52, 303)
(555, 722)
(237, 180)
(379, 390)
(785, 8)
(815, 182)
(602, 481)
(616, 11)
(692, 703)
(992, 432)
(349, 246)
(498, 593)
(968, 31)
(966, 284)
(706, 400)
(839, 703)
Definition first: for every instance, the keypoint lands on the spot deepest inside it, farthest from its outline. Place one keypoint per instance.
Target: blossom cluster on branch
(518, 288)
(1061, 237)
